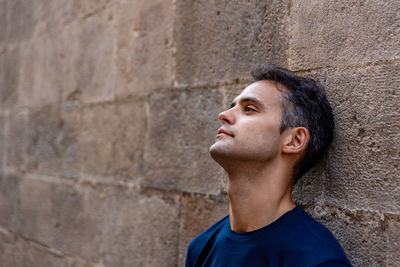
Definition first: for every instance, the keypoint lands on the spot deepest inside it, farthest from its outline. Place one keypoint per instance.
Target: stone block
(343, 33)
(49, 17)
(309, 190)
(140, 229)
(52, 16)
(362, 234)
(17, 251)
(67, 141)
(88, 8)
(182, 126)
(114, 225)
(144, 46)
(15, 146)
(3, 22)
(19, 21)
(3, 121)
(61, 216)
(9, 201)
(111, 140)
(9, 70)
(41, 78)
(393, 240)
(363, 167)
(97, 141)
(89, 69)
(199, 213)
(221, 40)
(42, 140)
(52, 141)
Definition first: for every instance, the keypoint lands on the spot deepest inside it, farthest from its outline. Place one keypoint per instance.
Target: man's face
(251, 127)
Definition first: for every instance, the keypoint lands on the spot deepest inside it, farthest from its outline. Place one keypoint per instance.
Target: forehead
(265, 91)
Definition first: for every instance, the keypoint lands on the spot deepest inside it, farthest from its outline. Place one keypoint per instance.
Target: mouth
(222, 132)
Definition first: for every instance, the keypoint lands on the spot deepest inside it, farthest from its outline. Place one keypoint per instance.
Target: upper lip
(225, 132)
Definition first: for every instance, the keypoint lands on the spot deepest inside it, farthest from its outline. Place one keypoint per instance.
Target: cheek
(266, 136)
(266, 141)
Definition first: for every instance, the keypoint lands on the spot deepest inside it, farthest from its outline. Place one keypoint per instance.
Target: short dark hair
(305, 104)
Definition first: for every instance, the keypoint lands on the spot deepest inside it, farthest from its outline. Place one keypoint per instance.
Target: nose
(226, 117)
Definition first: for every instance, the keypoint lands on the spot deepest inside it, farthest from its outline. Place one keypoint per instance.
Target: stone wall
(108, 108)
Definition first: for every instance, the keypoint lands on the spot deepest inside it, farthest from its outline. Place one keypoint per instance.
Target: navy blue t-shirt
(294, 239)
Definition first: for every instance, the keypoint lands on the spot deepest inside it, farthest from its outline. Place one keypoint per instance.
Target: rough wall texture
(107, 110)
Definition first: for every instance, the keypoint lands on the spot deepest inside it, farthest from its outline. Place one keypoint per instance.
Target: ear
(295, 140)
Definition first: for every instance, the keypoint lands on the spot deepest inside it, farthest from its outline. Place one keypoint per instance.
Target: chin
(216, 148)
(219, 152)
(213, 149)
(218, 157)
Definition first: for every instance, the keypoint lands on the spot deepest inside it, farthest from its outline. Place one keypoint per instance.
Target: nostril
(225, 117)
(222, 117)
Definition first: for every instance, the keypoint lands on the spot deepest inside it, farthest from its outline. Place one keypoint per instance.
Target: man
(274, 132)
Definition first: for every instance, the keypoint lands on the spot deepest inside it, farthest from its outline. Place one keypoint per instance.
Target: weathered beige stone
(363, 166)
(52, 16)
(361, 234)
(140, 230)
(41, 78)
(89, 71)
(199, 213)
(221, 40)
(16, 140)
(88, 8)
(144, 46)
(17, 251)
(9, 201)
(61, 216)
(100, 224)
(3, 22)
(3, 122)
(42, 139)
(9, 70)
(98, 140)
(343, 33)
(51, 141)
(393, 241)
(182, 126)
(310, 188)
(67, 141)
(111, 140)
(20, 20)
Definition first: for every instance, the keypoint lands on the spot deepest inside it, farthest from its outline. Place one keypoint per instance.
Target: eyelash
(248, 109)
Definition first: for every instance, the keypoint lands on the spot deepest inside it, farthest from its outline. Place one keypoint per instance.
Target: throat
(255, 204)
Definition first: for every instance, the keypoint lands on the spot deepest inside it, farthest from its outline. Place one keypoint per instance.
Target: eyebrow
(249, 99)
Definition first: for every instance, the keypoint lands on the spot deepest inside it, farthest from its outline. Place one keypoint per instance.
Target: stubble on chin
(213, 150)
(220, 152)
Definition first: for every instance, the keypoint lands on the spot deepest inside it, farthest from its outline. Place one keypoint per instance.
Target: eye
(249, 109)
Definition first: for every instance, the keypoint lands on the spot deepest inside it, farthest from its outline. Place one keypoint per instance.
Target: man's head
(304, 104)
(291, 109)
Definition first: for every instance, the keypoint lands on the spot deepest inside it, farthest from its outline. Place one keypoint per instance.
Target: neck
(259, 194)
